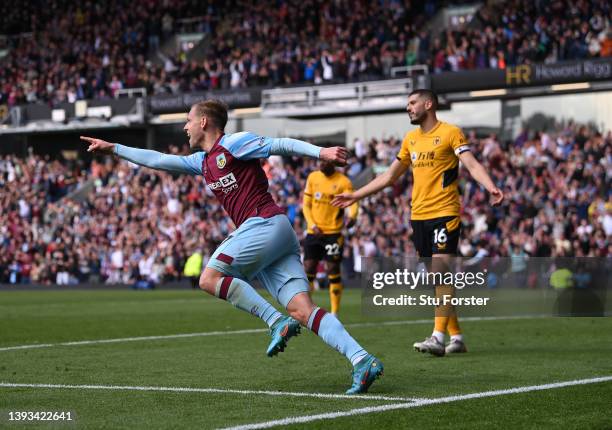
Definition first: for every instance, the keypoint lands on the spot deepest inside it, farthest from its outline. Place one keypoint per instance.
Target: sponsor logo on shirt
(227, 182)
(423, 159)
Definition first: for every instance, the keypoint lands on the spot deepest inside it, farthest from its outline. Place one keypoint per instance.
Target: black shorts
(326, 247)
(436, 236)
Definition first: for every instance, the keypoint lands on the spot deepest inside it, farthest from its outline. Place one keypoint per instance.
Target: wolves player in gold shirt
(324, 239)
(434, 150)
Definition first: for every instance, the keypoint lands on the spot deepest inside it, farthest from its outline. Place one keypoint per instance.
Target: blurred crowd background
(136, 224)
(62, 50)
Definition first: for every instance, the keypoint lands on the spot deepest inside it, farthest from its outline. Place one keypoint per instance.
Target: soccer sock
(440, 324)
(458, 337)
(442, 312)
(335, 292)
(333, 333)
(243, 296)
(439, 335)
(453, 326)
(311, 279)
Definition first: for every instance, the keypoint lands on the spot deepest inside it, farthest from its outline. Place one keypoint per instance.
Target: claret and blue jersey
(231, 169)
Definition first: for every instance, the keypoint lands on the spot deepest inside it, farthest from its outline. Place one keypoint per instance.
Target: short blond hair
(214, 110)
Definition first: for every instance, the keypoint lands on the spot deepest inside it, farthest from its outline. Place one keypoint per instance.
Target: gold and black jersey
(317, 208)
(435, 169)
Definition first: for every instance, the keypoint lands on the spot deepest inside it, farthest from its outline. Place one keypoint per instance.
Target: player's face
(417, 109)
(327, 167)
(193, 128)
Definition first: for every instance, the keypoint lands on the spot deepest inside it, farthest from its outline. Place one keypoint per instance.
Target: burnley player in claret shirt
(264, 245)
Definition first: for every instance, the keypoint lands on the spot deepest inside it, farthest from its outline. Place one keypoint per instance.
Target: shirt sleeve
(190, 165)
(247, 146)
(404, 153)
(458, 141)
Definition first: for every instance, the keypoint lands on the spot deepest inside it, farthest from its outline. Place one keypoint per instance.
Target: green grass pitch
(502, 354)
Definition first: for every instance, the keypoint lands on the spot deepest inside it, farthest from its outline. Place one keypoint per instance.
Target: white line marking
(418, 403)
(210, 390)
(238, 332)
(134, 339)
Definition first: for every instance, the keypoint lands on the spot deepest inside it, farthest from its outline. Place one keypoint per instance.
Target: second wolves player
(264, 245)
(324, 239)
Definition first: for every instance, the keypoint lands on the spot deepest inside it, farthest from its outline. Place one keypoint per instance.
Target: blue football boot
(281, 331)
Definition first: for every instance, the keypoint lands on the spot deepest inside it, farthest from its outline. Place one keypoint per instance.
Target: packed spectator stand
(137, 223)
(62, 50)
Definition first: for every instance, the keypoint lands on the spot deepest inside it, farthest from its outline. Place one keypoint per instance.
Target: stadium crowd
(75, 51)
(139, 224)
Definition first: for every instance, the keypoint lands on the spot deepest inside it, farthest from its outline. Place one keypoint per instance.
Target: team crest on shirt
(221, 161)
(413, 142)
(437, 140)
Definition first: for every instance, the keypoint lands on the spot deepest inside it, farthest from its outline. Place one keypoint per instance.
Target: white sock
(333, 333)
(438, 335)
(458, 337)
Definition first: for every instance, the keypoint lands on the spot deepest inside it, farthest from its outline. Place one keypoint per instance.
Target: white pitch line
(210, 390)
(239, 332)
(134, 339)
(418, 403)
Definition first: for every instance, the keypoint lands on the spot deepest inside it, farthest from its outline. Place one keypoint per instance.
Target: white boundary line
(239, 332)
(211, 390)
(416, 404)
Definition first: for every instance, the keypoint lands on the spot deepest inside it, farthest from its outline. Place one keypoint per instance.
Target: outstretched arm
(479, 173)
(191, 165)
(247, 146)
(396, 170)
(288, 146)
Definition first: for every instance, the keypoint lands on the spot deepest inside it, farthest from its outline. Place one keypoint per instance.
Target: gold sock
(453, 325)
(443, 312)
(440, 324)
(335, 292)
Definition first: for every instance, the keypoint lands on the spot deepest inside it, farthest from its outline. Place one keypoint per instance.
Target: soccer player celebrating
(264, 245)
(324, 233)
(434, 150)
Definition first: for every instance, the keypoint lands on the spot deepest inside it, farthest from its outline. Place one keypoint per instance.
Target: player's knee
(333, 269)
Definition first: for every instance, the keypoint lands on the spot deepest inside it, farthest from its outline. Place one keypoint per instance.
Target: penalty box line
(415, 404)
(211, 391)
(240, 332)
